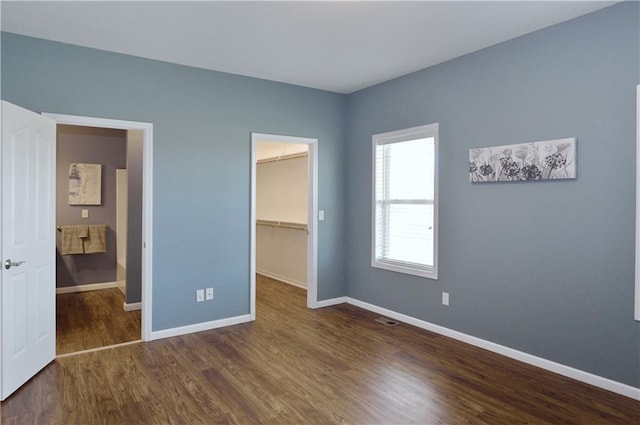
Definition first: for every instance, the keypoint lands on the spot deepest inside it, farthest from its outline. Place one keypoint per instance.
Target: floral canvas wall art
(546, 160)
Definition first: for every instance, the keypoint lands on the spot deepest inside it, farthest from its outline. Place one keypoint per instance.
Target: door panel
(17, 183)
(44, 220)
(17, 293)
(27, 288)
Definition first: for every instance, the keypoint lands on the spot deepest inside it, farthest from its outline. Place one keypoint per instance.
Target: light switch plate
(85, 213)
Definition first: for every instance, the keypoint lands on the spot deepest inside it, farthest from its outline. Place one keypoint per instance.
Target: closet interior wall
(282, 194)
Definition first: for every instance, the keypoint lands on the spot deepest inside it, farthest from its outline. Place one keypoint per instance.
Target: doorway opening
(283, 220)
(125, 168)
(98, 177)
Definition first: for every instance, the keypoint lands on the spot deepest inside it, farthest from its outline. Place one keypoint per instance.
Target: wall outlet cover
(209, 294)
(200, 295)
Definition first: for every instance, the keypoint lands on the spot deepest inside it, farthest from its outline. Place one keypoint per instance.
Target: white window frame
(420, 132)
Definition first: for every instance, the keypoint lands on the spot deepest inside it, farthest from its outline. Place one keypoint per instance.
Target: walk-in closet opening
(283, 214)
(282, 186)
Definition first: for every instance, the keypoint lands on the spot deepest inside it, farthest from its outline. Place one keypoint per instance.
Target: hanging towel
(83, 230)
(97, 240)
(70, 242)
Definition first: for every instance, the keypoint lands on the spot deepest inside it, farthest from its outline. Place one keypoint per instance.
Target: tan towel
(97, 240)
(83, 230)
(70, 242)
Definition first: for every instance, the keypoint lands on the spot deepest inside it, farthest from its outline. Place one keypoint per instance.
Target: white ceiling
(337, 46)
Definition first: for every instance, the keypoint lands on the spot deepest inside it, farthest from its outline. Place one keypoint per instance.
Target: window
(405, 201)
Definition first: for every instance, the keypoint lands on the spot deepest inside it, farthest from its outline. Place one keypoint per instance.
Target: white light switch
(85, 213)
(321, 215)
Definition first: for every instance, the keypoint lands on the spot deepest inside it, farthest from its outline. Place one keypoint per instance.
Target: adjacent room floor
(94, 319)
(294, 365)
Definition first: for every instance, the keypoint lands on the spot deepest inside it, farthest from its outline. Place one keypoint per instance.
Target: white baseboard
(570, 372)
(330, 302)
(283, 279)
(199, 327)
(122, 286)
(132, 306)
(86, 288)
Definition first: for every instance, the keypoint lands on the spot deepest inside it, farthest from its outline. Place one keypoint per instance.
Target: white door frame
(312, 221)
(147, 201)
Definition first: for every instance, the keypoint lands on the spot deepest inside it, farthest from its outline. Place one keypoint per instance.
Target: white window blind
(404, 210)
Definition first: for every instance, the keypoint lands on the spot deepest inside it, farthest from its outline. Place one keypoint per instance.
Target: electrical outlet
(209, 294)
(445, 298)
(85, 213)
(199, 295)
(321, 215)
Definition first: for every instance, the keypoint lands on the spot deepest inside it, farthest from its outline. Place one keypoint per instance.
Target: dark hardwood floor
(293, 365)
(94, 319)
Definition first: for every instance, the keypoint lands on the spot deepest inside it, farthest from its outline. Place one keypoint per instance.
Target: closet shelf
(285, 224)
(283, 157)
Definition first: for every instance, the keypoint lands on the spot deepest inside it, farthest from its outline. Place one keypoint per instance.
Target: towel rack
(59, 228)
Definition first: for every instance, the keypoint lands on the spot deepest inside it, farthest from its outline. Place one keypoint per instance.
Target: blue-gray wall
(201, 160)
(546, 268)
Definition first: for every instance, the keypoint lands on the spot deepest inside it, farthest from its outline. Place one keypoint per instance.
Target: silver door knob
(8, 264)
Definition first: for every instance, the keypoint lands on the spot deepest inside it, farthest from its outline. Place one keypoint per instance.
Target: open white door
(27, 292)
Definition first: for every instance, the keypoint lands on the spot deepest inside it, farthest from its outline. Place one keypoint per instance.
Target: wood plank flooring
(94, 319)
(293, 365)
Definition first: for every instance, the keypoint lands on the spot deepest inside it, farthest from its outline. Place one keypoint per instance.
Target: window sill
(430, 273)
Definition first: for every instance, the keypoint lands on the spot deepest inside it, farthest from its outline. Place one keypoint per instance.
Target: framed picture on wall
(85, 184)
(546, 160)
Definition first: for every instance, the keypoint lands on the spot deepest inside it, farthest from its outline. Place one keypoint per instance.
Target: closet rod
(297, 226)
(283, 157)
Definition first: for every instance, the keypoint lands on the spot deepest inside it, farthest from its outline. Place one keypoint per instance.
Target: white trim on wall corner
(86, 288)
(570, 372)
(132, 306)
(636, 314)
(199, 327)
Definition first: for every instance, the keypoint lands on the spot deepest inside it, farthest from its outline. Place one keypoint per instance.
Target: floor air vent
(386, 321)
